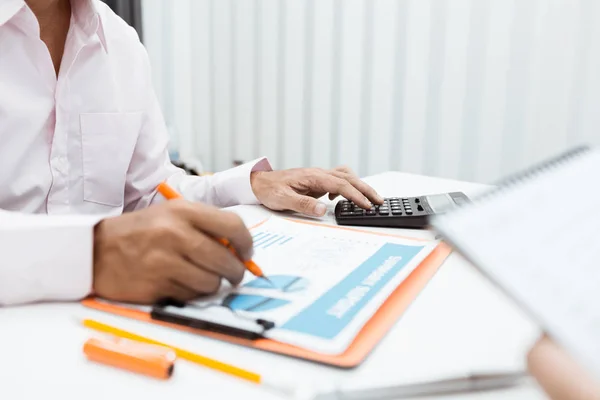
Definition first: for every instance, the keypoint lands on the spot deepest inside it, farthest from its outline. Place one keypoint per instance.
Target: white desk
(459, 320)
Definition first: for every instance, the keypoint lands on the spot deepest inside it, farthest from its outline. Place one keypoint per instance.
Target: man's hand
(168, 250)
(559, 375)
(298, 189)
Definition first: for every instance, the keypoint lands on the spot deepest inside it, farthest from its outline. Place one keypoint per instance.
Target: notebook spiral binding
(535, 170)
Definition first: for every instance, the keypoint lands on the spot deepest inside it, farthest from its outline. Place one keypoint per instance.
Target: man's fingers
(200, 281)
(177, 291)
(560, 376)
(328, 182)
(344, 169)
(221, 225)
(206, 253)
(365, 189)
(304, 204)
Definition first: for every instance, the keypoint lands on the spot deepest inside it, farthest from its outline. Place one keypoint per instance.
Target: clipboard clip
(162, 311)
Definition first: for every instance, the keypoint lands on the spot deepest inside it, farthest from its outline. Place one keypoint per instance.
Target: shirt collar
(85, 14)
(8, 9)
(88, 17)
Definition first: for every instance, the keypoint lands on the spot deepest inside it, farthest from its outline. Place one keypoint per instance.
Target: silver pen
(460, 384)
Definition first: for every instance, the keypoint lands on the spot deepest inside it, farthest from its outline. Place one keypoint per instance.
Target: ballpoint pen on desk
(170, 194)
(454, 385)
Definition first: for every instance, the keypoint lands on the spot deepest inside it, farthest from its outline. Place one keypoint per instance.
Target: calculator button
(357, 212)
(384, 212)
(409, 212)
(396, 212)
(345, 214)
(371, 212)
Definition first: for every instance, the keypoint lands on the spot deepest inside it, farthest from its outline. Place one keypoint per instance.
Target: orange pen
(169, 193)
(148, 359)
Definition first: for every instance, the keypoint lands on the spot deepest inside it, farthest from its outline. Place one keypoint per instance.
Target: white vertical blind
(466, 89)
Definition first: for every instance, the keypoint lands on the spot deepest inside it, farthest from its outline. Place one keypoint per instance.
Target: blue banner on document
(330, 313)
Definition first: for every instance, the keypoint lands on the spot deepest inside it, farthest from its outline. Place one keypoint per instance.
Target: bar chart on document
(264, 240)
(324, 282)
(311, 248)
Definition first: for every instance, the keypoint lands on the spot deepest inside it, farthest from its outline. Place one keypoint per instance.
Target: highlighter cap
(147, 359)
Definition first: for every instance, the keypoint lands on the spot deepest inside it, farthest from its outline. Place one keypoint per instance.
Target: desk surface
(460, 322)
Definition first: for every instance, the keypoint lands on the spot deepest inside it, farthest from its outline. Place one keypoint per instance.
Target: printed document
(326, 282)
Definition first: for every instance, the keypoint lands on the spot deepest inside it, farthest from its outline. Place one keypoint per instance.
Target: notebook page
(539, 240)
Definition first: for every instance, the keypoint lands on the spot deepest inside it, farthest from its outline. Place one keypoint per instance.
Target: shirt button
(60, 164)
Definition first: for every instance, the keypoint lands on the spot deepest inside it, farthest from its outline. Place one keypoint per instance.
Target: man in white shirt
(83, 140)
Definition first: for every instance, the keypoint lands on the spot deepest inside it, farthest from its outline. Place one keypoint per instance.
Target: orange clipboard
(366, 340)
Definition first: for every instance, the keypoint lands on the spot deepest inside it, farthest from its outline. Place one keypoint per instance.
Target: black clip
(159, 313)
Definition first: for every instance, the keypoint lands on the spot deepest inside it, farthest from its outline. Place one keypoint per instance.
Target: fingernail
(320, 209)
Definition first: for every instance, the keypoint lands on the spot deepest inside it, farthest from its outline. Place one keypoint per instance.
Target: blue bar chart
(264, 240)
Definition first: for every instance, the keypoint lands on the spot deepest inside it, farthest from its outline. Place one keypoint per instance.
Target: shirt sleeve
(150, 165)
(45, 258)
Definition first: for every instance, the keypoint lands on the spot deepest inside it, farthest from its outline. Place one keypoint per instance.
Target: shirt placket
(59, 201)
(58, 198)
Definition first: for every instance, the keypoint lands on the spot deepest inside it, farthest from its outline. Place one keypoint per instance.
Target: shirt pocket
(107, 144)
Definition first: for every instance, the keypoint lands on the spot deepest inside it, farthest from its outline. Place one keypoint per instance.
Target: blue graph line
(272, 240)
(275, 242)
(262, 240)
(257, 235)
(285, 241)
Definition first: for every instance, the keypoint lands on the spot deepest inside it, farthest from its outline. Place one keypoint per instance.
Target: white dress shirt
(77, 148)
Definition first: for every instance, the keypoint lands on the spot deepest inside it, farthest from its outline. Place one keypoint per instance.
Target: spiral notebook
(537, 236)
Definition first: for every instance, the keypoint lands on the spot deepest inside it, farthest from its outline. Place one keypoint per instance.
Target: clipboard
(364, 342)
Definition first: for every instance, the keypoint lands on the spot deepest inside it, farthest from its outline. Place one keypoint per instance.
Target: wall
(468, 89)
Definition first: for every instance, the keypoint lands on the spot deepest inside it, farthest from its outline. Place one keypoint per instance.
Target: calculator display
(440, 202)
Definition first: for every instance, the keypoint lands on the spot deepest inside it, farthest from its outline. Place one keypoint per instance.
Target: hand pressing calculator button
(399, 212)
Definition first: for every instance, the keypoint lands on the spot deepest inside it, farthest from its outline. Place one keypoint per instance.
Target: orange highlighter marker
(147, 359)
(170, 194)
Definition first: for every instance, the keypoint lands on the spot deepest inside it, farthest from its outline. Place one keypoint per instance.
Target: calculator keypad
(395, 212)
(394, 206)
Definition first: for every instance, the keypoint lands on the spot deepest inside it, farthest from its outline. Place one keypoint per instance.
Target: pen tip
(268, 280)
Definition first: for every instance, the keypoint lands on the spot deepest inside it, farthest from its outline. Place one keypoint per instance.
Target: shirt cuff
(233, 185)
(51, 258)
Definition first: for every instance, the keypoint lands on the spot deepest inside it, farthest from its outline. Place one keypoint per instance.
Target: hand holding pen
(171, 194)
(168, 250)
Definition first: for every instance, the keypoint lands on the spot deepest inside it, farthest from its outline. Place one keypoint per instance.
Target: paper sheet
(327, 282)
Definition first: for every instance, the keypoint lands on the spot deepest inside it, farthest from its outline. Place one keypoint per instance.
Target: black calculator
(399, 212)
